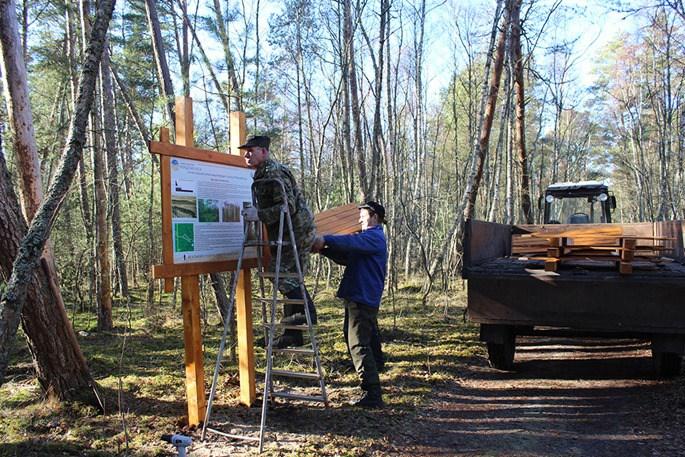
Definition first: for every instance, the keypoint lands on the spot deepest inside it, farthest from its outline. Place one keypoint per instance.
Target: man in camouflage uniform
(269, 200)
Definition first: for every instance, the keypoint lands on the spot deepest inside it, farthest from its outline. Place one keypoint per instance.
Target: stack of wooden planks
(592, 246)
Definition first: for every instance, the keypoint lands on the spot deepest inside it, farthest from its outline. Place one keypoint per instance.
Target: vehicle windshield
(575, 210)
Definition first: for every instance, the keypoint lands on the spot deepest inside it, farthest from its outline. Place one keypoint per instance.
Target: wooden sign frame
(189, 272)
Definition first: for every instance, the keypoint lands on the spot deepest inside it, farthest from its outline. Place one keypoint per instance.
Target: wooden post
(190, 292)
(246, 365)
(167, 239)
(238, 131)
(184, 121)
(192, 337)
(243, 297)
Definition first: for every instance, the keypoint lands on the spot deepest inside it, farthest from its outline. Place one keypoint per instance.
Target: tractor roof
(582, 185)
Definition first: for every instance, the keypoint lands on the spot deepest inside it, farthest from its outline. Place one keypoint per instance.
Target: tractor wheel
(501, 355)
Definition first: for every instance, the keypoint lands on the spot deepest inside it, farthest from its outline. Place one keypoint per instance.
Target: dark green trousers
(359, 327)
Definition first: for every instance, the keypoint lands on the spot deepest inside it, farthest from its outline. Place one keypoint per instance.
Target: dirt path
(567, 397)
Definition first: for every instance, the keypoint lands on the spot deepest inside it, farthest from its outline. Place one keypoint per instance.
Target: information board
(206, 204)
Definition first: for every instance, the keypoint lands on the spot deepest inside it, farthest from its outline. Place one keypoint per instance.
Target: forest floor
(565, 397)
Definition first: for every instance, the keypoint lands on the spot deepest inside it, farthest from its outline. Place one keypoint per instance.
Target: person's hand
(250, 213)
(318, 244)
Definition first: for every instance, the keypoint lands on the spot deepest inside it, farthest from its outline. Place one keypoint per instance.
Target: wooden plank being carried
(342, 220)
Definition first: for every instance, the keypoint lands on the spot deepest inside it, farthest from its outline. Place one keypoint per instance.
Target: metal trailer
(508, 297)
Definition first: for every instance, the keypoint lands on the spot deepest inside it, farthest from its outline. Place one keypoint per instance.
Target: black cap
(376, 208)
(257, 141)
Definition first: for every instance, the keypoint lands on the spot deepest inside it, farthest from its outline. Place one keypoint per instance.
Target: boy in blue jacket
(365, 256)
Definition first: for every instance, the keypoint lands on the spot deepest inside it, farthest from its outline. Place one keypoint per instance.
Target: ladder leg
(222, 345)
(272, 329)
(269, 324)
(307, 314)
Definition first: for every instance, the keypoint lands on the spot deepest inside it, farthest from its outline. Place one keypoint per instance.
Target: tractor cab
(586, 202)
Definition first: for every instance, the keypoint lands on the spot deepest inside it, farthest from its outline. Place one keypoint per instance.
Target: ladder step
(296, 396)
(289, 301)
(296, 351)
(252, 243)
(304, 328)
(235, 437)
(295, 374)
(269, 274)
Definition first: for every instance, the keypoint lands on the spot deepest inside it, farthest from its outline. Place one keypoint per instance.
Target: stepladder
(292, 362)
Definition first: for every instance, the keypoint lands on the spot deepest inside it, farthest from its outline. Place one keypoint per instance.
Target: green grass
(140, 369)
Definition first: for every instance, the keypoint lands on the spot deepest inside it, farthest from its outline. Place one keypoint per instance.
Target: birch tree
(479, 151)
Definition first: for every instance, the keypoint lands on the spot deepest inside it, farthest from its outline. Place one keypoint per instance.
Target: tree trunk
(44, 319)
(16, 93)
(346, 140)
(28, 258)
(183, 46)
(391, 182)
(299, 70)
(517, 60)
(355, 108)
(480, 149)
(103, 283)
(377, 136)
(499, 162)
(160, 59)
(140, 125)
(109, 127)
(234, 91)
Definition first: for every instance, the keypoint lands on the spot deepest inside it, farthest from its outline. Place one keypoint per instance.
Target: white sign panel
(206, 204)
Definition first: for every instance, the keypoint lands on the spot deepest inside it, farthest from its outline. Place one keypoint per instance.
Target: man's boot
(290, 338)
(372, 398)
(295, 313)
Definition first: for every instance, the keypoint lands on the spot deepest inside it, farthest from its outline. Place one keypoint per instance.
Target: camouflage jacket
(269, 201)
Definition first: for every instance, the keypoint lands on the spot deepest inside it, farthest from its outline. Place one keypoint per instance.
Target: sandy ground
(566, 397)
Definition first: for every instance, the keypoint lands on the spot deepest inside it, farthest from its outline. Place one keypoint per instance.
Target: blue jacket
(365, 256)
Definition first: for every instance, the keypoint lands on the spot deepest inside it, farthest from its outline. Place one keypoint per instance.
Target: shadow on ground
(565, 397)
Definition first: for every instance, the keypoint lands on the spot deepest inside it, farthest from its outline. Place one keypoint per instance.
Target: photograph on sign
(206, 200)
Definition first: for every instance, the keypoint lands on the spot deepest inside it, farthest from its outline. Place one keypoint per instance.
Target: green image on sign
(184, 239)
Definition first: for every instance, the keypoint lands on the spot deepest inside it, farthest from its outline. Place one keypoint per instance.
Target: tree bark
(16, 91)
(234, 91)
(346, 140)
(109, 127)
(517, 59)
(376, 175)
(59, 363)
(140, 125)
(86, 214)
(44, 319)
(354, 100)
(160, 59)
(481, 148)
(103, 282)
(28, 257)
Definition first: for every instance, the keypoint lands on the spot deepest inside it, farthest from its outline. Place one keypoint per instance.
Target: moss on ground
(139, 366)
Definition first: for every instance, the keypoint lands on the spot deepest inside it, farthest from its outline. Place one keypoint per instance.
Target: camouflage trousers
(288, 265)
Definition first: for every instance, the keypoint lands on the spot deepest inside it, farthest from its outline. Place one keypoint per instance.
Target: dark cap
(257, 141)
(376, 208)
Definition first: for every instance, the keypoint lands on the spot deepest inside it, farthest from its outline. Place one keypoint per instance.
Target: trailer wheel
(667, 364)
(501, 355)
